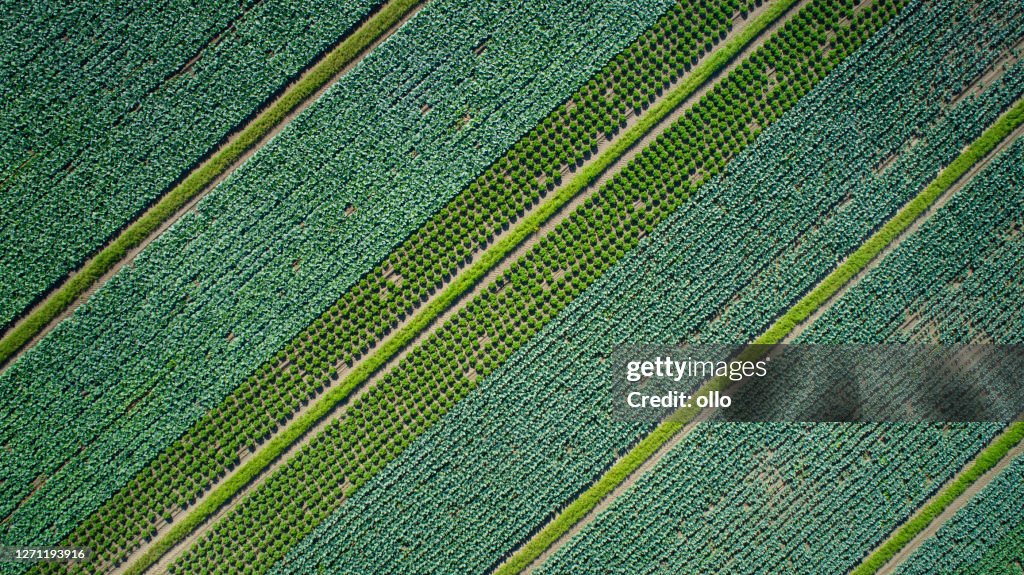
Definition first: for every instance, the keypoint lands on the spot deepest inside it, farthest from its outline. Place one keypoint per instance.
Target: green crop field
(299, 287)
(154, 88)
(767, 484)
(986, 536)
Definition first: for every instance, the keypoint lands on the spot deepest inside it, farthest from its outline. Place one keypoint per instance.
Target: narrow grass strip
(988, 459)
(978, 149)
(133, 236)
(466, 280)
(643, 451)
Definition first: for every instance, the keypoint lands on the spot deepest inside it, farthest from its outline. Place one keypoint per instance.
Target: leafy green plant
(264, 254)
(122, 134)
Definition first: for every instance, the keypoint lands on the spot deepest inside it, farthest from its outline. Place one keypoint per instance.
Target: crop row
(378, 425)
(263, 254)
(952, 282)
(873, 482)
(397, 287)
(108, 105)
(202, 178)
(537, 431)
(749, 495)
(985, 462)
(986, 537)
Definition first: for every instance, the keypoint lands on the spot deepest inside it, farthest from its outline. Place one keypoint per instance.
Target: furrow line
(484, 268)
(649, 450)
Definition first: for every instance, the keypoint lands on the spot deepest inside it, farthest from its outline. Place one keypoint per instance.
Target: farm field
(987, 535)
(486, 316)
(293, 287)
(249, 523)
(879, 476)
(312, 362)
(160, 85)
(767, 486)
(229, 297)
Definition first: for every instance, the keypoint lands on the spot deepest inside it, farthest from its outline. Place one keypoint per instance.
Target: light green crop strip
(868, 251)
(451, 294)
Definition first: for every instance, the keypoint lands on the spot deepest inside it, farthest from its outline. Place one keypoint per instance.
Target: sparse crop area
(765, 476)
(294, 287)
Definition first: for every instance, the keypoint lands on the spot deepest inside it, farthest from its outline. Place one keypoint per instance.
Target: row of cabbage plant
(107, 105)
(950, 284)
(791, 497)
(264, 253)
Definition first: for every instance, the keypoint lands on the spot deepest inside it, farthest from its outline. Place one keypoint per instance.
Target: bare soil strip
(64, 298)
(492, 275)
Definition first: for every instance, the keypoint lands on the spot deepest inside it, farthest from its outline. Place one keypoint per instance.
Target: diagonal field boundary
(451, 294)
(956, 491)
(342, 408)
(179, 199)
(868, 251)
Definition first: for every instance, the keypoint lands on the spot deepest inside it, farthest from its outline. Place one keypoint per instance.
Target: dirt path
(469, 295)
(705, 414)
(911, 229)
(645, 141)
(950, 511)
(236, 133)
